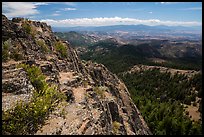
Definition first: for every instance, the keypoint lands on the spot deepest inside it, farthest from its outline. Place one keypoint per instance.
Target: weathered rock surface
(15, 85)
(97, 103)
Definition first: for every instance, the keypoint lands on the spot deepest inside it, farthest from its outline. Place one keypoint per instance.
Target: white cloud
(103, 21)
(40, 3)
(47, 3)
(55, 14)
(23, 9)
(27, 9)
(70, 3)
(164, 2)
(67, 9)
(150, 12)
(193, 8)
(167, 3)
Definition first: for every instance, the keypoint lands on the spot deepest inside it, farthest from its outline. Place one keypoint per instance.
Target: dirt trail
(79, 94)
(65, 121)
(65, 76)
(193, 112)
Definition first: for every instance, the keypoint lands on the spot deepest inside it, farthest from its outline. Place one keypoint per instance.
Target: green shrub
(36, 77)
(43, 46)
(5, 50)
(61, 49)
(100, 91)
(27, 27)
(14, 54)
(116, 127)
(26, 118)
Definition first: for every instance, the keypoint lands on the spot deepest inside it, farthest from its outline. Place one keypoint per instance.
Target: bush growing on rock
(26, 118)
(43, 46)
(28, 28)
(99, 90)
(36, 77)
(116, 127)
(5, 50)
(61, 49)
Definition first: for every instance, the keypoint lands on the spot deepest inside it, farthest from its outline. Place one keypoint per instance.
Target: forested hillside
(161, 98)
(123, 57)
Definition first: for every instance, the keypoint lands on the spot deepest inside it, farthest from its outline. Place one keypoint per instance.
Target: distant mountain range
(128, 28)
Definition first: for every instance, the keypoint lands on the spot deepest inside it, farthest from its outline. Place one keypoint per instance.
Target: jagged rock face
(97, 101)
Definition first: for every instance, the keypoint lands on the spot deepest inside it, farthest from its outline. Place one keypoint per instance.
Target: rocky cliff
(96, 101)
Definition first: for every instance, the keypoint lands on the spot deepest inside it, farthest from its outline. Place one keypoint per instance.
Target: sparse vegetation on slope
(61, 49)
(10, 54)
(99, 90)
(116, 127)
(28, 28)
(43, 46)
(26, 118)
(5, 50)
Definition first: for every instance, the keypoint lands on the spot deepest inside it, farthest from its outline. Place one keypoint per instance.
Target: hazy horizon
(73, 14)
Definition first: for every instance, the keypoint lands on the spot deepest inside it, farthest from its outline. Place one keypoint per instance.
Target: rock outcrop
(97, 101)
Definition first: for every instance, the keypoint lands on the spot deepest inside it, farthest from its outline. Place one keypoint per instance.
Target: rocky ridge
(138, 68)
(99, 102)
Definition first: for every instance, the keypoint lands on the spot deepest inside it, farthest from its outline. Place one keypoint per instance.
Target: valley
(162, 72)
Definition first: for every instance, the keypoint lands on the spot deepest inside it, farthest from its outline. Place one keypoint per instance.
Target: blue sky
(107, 13)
